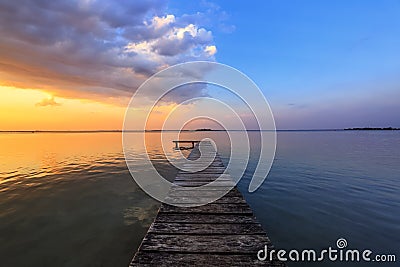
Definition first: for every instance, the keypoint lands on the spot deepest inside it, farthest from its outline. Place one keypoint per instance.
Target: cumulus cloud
(94, 48)
(48, 102)
(211, 50)
(189, 41)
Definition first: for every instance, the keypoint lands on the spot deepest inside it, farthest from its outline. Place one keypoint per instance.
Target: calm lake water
(69, 200)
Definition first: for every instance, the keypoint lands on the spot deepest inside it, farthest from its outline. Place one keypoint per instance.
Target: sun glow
(30, 109)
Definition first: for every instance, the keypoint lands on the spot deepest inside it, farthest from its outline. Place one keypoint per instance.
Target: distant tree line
(373, 129)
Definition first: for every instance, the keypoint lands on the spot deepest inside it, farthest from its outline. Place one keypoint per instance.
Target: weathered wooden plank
(209, 168)
(232, 244)
(209, 208)
(206, 228)
(188, 199)
(180, 192)
(209, 188)
(205, 188)
(215, 172)
(180, 259)
(202, 179)
(203, 174)
(205, 218)
(204, 158)
(189, 175)
(215, 163)
(175, 188)
(212, 183)
(197, 169)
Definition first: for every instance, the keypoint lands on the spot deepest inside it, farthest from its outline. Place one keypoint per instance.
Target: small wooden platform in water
(177, 142)
(222, 233)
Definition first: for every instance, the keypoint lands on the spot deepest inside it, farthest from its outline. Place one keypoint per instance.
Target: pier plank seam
(224, 232)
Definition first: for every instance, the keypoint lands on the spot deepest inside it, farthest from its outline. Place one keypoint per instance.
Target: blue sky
(321, 64)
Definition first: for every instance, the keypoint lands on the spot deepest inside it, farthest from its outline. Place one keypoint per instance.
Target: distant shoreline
(372, 129)
(202, 130)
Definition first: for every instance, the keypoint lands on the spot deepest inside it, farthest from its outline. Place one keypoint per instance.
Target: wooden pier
(177, 142)
(223, 233)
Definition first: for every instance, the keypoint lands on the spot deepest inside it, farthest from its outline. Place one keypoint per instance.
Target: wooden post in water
(222, 233)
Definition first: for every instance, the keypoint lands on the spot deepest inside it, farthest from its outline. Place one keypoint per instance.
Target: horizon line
(193, 130)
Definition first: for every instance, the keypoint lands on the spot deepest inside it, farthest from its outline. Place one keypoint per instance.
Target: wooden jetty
(177, 142)
(223, 233)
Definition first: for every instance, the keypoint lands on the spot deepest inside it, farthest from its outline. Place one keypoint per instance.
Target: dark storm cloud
(84, 48)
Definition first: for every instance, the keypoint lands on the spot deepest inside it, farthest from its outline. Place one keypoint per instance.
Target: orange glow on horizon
(33, 109)
(30, 109)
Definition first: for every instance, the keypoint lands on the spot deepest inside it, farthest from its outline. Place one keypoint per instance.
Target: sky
(74, 65)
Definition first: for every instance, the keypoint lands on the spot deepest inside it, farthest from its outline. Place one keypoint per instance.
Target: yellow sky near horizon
(31, 109)
(34, 109)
